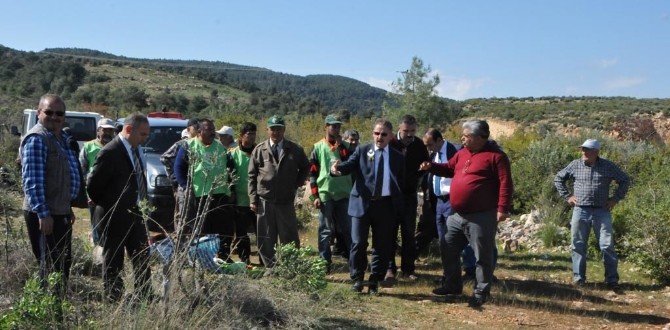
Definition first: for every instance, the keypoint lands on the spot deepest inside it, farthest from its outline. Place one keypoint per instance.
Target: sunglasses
(57, 113)
(383, 134)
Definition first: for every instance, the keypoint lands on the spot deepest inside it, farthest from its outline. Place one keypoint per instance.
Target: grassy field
(533, 291)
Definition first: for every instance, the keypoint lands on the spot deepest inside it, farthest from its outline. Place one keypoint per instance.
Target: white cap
(226, 130)
(184, 133)
(591, 144)
(106, 123)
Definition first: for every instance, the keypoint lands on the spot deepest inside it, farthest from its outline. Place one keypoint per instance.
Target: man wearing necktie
(116, 184)
(277, 167)
(375, 202)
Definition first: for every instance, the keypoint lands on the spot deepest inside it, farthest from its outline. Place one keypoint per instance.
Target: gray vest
(57, 180)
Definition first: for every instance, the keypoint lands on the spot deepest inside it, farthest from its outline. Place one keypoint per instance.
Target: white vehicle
(82, 125)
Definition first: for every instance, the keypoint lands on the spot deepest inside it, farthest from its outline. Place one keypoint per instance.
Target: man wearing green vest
(104, 134)
(330, 194)
(244, 217)
(207, 169)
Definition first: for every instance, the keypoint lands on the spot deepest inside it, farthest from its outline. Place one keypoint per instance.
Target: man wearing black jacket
(415, 153)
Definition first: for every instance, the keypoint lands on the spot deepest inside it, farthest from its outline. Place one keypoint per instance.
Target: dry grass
(533, 291)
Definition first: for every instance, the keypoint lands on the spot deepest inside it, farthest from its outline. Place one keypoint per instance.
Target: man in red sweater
(481, 196)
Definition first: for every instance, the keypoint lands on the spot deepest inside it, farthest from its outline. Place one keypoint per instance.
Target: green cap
(276, 121)
(333, 119)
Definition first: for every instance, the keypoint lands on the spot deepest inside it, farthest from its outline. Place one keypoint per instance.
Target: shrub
(37, 308)
(642, 219)
(300, 268)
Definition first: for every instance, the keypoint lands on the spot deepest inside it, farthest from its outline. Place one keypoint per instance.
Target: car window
(81, 128)
(162, 138)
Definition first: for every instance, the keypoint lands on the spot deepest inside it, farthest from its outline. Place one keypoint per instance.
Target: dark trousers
(53, 252)
(218, 220)
(333, 218)
(407, 225)
(275, 222)
(479, 230)
(133, 242)
(426, 227)
(244, 217)
(380, 218)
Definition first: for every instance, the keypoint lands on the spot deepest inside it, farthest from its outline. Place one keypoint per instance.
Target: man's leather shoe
(442, 291)
(357, 286)
(372, 288)
(389, 280)
(476, 301)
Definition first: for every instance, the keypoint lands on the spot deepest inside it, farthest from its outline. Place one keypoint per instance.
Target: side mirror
(15, 131)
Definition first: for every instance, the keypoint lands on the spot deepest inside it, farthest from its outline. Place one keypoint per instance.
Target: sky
(486, 48)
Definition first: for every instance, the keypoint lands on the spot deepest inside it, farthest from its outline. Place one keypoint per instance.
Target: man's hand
(252, 206)
(572, 200)
(502, 216)
(90, 203)
(333, 167)
(47, 225)
(317, 203)
(425, 166)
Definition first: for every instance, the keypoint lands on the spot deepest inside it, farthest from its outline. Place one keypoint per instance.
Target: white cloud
(623, 82)
(459, 88)
(607, 62)
(379, 83)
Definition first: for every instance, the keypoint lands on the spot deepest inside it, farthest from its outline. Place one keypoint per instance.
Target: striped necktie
(139, 175)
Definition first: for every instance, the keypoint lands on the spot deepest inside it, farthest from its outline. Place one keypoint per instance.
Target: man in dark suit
(375, 202)
(116, 184)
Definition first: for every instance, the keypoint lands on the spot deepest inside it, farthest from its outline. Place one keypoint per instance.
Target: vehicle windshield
(81, 128)
(162, 138)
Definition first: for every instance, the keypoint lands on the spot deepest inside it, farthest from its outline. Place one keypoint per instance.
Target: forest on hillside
(113, 85)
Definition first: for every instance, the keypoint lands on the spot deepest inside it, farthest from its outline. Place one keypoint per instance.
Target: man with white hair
(592, 176)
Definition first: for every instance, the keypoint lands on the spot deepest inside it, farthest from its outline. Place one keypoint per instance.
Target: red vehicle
(170, 114)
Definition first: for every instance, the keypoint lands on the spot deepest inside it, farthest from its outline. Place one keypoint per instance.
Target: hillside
(113, 85)
(335, 92)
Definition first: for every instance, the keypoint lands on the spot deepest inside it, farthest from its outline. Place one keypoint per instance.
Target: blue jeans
(95, 235)
(583, 219)
(333, 217)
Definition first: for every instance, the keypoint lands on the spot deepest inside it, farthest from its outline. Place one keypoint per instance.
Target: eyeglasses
(57, 113)
(383, 134)
(467, 165)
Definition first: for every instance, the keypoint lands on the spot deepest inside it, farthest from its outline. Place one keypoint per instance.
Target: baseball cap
(106, 123)
(276, 121)
(333, 119)
(591, 144)
(226, 130)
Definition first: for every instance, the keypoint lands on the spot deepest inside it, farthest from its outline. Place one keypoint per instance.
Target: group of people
(224, 186)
